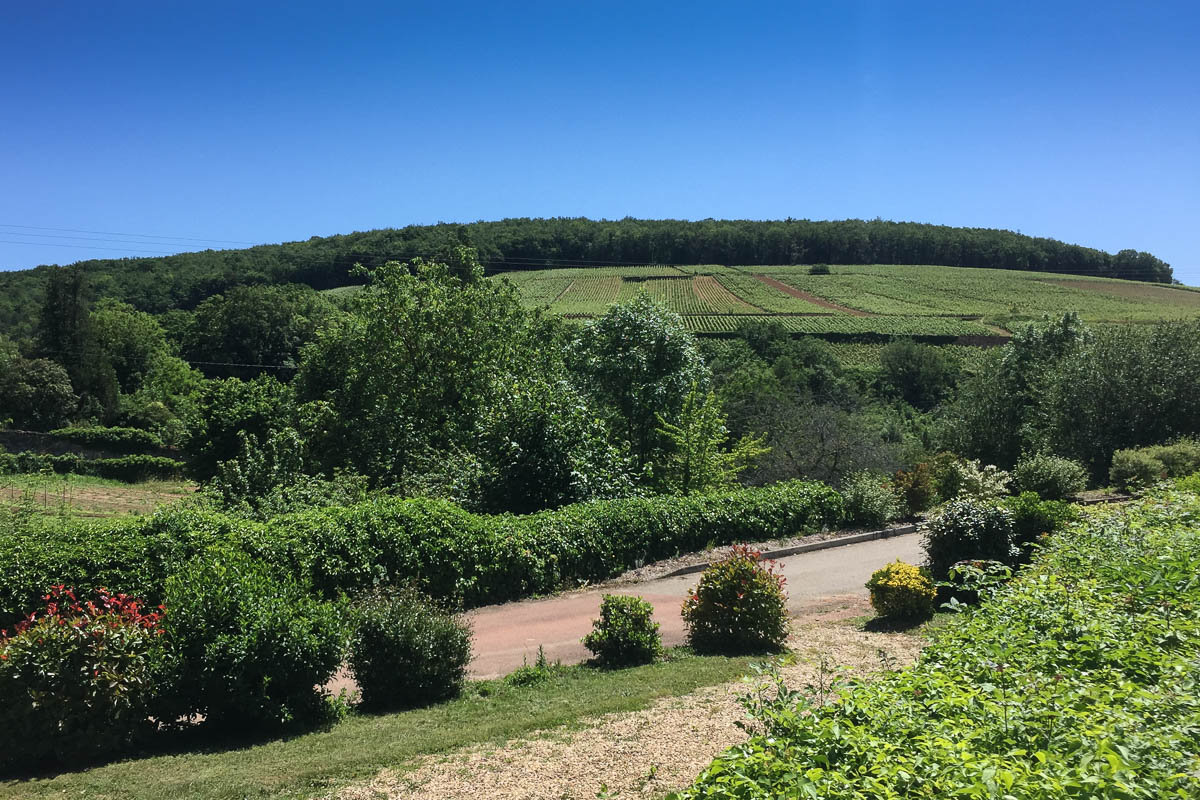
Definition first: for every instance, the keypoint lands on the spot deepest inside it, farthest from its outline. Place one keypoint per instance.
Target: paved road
(508, 635)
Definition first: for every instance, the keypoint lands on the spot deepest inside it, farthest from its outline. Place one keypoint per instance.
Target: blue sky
(266, 122)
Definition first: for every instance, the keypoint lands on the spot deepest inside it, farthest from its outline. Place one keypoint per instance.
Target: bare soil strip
(644, 753)
(812, 298)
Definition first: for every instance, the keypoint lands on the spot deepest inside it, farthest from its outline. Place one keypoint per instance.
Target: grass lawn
(312, 764)
(88, 496)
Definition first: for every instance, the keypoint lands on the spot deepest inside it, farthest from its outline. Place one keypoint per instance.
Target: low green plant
(818, 269)
(406, 651)
(1135, 469)
(246, 645)
(77, 679)
(1049, 476)
(901, 590)
(1034, 518)
(960, 477)
(127, 440)
(540, 671)
(739, 606)
(1179, 458)
(870, 500)
(626, 633)
(1075, 679)
(969, 530)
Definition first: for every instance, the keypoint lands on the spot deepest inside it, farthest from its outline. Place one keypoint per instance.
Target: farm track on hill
(811, 298)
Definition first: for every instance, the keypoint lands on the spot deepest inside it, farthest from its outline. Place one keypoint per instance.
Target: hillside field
(867, 300)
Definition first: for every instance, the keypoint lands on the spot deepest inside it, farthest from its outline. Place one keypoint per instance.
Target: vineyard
(864, 302)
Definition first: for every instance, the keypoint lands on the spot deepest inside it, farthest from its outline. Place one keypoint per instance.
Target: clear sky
(265, 122)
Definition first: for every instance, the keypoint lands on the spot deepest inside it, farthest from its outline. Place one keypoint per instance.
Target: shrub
(132, 469)
(870, 501)
(1135, 469)
(405, 651)
(915, 488)
(901, 590)
(1034, 518)
(1050, 477)
(960, 477)
(739, 606)
(246, 645)
(127, 440)
(75, 679)
(626, 633)
(818, 269)
(1178, 459)
(969, 530)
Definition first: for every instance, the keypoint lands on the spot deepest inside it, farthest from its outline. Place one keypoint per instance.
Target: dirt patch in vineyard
(812, 298)
(644, 753)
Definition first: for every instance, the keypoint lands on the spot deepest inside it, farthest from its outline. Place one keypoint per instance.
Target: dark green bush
(626, 633)
(1135, 469)
(1033, 518)
(246, 645)
(969, 530)
(818, 269)
(132, 469)
(1180, 458)
(127, 440)
(406, 651)
(915, 488)
(76, 680)
(739, 606)
(1050, 477)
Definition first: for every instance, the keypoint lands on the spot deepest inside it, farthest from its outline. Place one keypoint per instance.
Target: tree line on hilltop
(184, 281)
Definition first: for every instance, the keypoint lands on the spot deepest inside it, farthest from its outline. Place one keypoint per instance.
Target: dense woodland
(184, 281)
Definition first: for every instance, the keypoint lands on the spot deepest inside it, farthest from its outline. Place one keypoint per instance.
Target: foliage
(639, 364)
(450, 553)
(967, 530)
(406, 651)
(915, 488)
(901, 590)
(920, 374)
(1049, 476)
(1077, 679)
(543, 447)
(35, 394)
(412, 372)
(246, 644)
(818, 269)
(626, 634)
(739, 606)
(1135, 469)
(127, 440)
(699, 457)
(230, 409)
(76, 679)
(870, 500)
(961, 477)
(1035, 518)
(1178, 458)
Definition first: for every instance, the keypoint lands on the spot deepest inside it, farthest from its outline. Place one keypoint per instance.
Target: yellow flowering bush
(901, 590)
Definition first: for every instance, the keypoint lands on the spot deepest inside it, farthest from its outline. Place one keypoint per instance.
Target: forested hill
(182, 281)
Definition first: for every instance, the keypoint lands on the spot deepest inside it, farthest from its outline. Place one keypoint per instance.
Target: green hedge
(450, 553)
(124, 468)
(1077, 680)
(126, 440)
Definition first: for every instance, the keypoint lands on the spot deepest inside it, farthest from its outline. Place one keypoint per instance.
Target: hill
(184, 280)
(857, 301)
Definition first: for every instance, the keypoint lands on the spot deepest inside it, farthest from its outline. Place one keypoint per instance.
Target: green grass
(355, 749)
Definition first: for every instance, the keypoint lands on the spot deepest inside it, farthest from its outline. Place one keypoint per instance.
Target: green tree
(129, 341)
(919, 374)
(36, 394)
(700, 457)
(412, 371)
(639, 363)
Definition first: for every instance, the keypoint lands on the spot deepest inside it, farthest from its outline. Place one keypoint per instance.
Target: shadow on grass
(896, 624)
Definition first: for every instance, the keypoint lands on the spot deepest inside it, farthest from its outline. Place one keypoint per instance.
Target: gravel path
(636, 754)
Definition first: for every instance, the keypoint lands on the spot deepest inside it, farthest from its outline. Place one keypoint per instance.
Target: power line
(114, 233)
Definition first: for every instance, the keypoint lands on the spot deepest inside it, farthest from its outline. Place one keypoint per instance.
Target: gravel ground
(637, 754)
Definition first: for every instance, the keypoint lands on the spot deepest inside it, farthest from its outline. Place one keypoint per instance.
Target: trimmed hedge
(447, 552)
(126, 440)
(130, 469)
